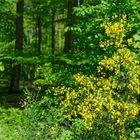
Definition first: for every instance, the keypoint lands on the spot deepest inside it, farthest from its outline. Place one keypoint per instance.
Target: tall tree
(70, 21)
(80, 2)
(14, 85)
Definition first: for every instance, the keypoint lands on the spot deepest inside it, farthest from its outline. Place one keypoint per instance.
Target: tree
(14, 85)
(70, 21)
(80, 2)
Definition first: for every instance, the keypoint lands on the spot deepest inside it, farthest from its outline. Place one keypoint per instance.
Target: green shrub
(105, 104)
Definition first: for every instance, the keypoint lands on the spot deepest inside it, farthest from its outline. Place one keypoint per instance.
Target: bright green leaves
(137, 41)
(1, 66)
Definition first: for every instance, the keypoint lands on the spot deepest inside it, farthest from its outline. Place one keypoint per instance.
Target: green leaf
(1, 67)
(136, 37)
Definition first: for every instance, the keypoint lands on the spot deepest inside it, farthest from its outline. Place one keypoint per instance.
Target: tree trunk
(70, 21)
(19, 25)
(81, 2)
(14, 85)
(53, 32)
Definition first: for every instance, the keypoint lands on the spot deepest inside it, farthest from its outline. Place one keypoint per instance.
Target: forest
(69, 69)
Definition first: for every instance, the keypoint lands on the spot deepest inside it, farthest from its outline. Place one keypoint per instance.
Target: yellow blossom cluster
(124, 64)
(116, 32)
(95, 101)
(123, 59)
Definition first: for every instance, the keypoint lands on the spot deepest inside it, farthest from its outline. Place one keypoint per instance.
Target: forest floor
(8, 99)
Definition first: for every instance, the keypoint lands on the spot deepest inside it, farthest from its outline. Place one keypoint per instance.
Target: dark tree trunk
(53, 32)
(14, 85)
(19, 25)
(81, 2)
(70, 21)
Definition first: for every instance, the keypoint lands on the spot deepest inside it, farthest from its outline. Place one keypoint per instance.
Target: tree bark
(81, 2)
(70, 21)
(14, 84)
(19, 25)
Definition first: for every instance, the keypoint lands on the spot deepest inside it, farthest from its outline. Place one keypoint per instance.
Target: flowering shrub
(106, 103)
(115, 32)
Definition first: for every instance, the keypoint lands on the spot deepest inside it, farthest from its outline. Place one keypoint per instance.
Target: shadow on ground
(8, 99)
